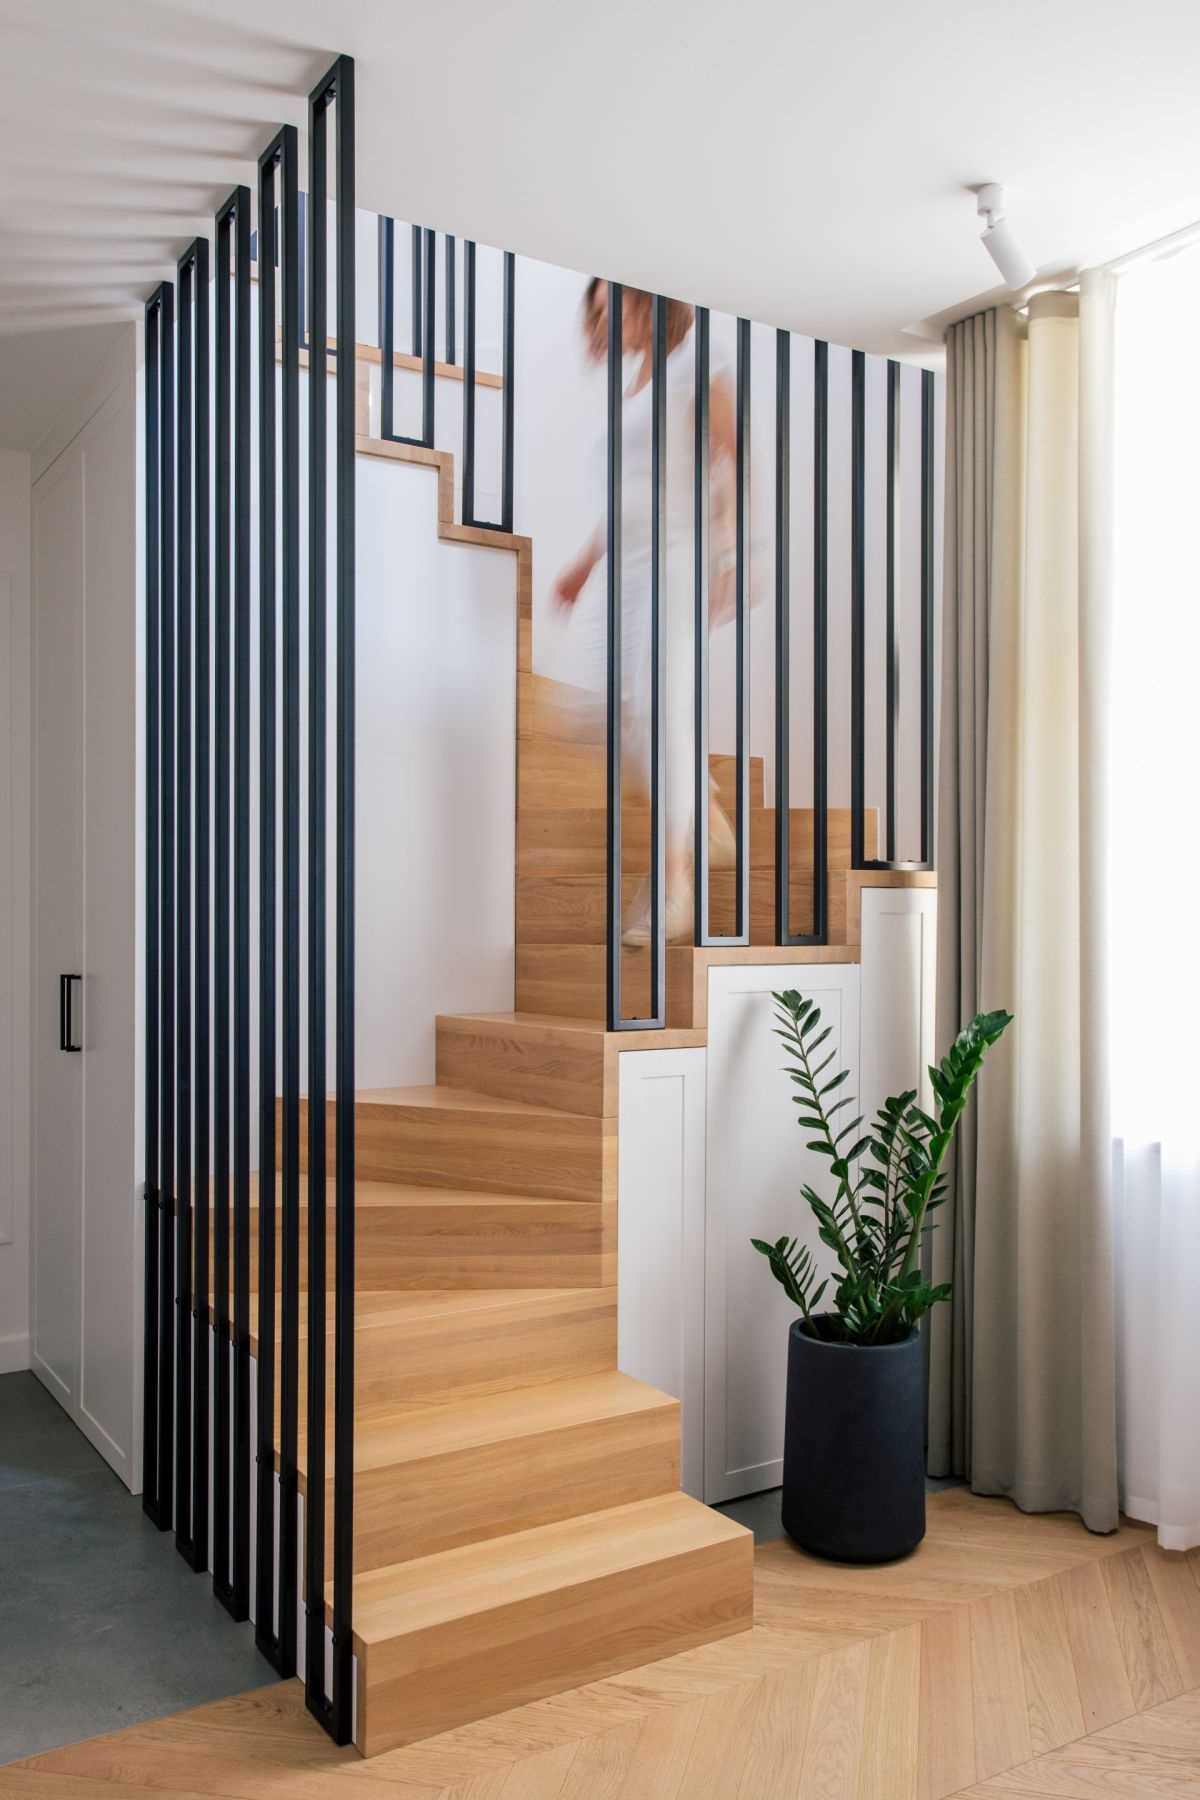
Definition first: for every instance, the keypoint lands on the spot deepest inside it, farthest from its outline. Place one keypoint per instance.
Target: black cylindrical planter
(854, 1448)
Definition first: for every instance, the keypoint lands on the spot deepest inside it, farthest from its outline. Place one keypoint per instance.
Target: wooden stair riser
(572, 909)
(529, 1339)
(573, 840)
(414, 1508)
(507, 1653)
(545, 1155)
(569, 980)
(471, 1242)
(554, 774)
(528, 1060)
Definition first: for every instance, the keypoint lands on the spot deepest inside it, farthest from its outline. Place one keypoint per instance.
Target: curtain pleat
(1021, 1363)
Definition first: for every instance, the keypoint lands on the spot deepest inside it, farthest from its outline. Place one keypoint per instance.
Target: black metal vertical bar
(424, 300)
(858, 574)
(742, 627)
(343, 1521)
(416, 290)
(289, 1273)
(701, 577)
(468, 458)
(167, 1145)
(318, 451)
(509, 400)
(239, 1600)
(451, 357)
(201, 446)
(183, 915)
(818, 934)
(658, 655)
(222, 1035)
(152, 453)
(783, 610)
(613, 746)
(387, 326)
(891, 644)
(820, 740)
(927, 618)
(302, 242)
(429, 367)
(267, 1019)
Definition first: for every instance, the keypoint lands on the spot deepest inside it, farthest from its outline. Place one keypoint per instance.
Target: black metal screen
(200, 774)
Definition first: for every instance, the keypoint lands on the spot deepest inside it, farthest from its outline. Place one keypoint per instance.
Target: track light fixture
(998, 240)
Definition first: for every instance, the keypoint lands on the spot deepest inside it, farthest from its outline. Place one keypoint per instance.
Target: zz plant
(888, 1183)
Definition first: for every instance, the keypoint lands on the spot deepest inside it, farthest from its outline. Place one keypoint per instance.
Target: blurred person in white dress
(636, 492)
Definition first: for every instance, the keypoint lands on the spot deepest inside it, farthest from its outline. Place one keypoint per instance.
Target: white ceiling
(805, 165)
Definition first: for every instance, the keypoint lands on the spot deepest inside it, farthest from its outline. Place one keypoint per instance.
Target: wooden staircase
(518, 1525)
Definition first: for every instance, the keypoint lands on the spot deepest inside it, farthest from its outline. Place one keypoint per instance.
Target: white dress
(679, 597)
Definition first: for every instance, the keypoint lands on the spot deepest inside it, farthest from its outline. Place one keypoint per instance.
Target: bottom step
(478, 1630)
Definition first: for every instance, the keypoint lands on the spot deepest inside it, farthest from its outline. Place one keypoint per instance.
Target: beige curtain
(1022, 1372)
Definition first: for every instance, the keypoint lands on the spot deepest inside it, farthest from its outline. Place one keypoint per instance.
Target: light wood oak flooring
(1010, 1656)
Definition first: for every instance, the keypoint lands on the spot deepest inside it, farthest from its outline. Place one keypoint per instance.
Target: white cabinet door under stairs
(711, 1156)
(87, 1209)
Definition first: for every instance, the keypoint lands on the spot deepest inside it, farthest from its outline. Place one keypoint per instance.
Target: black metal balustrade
(424, 334)
(198, 899)
(786, 932)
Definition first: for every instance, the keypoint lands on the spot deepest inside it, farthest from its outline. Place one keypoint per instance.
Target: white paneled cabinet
(86, 1286)
(710, 1156)
(899, 954)
(660, 1241)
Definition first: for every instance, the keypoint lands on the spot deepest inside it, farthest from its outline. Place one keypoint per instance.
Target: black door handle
(66, 1012)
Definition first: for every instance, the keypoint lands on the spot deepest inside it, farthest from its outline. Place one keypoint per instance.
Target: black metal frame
(198, 656)
(278, 165)
(819, 933)
(231, 1025)
(704, 935)
(450, 267)
(158, 1360)
(508, 376)
(657, 1018)
(424, 273)
(337, 89)
(193, 961)
(858, 696)
(928, 501)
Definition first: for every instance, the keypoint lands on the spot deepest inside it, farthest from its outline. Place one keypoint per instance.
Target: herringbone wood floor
(1010, 1656)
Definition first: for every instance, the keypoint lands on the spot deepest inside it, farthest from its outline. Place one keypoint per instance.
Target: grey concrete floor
(102, 1624)
(760, 1512)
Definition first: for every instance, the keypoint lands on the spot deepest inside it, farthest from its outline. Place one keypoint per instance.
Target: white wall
(15, 666)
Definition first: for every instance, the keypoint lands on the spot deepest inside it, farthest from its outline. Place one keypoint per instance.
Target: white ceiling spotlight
(998, 240)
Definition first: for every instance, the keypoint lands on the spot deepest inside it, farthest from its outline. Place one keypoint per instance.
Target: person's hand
(570, 583)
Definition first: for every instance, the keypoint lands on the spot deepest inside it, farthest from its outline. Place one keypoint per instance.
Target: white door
(660, 1236)
(756, 1162)
(85, 1207)
(58, 537)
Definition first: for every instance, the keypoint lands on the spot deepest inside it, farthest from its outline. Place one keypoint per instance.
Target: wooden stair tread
(439, 1097)
(374, 1310)
(670, 1037)
(414, 1433)
(456, 1584)
(408, 1194)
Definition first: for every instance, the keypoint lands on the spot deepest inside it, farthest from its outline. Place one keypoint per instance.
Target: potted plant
(854, 1451)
